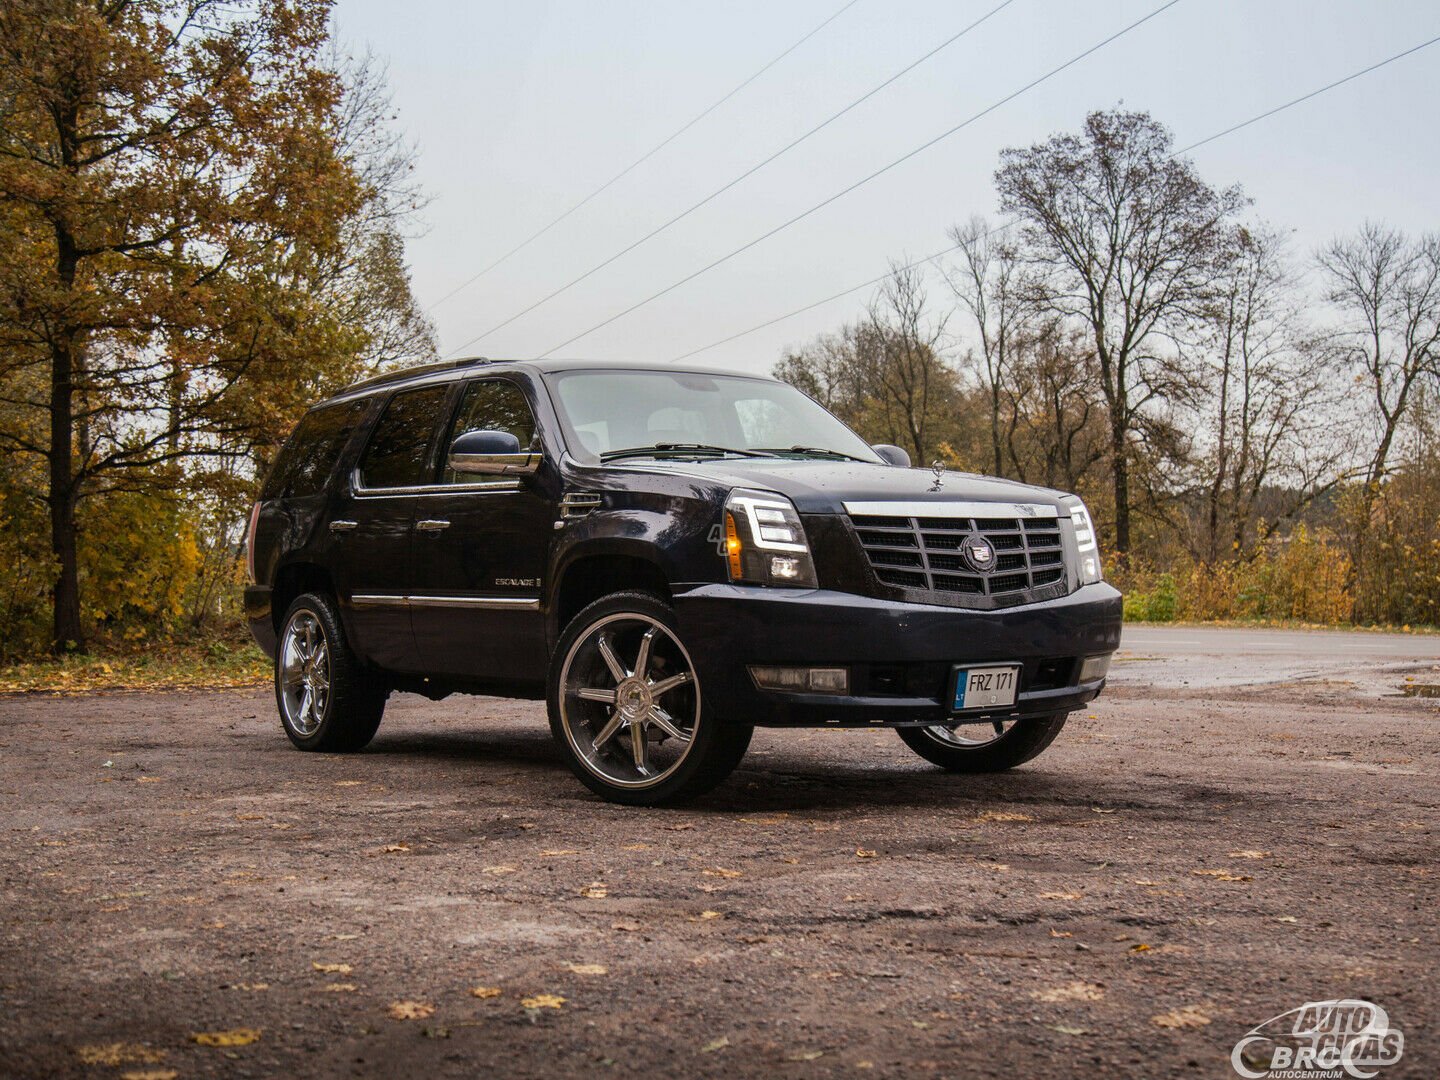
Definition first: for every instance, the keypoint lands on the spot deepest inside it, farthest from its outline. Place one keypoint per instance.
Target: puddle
(1425, 690)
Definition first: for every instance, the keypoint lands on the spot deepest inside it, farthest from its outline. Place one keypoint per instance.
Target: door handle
(429, 525)
(342, 526)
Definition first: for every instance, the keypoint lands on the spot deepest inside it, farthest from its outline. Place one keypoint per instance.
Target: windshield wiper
(816, 450)
(680, 448)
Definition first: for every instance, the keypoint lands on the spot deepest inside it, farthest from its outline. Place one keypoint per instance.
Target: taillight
(250, 544)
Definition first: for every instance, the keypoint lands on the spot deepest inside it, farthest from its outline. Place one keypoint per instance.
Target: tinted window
(493, 405)
(399, 451)
(305, 462)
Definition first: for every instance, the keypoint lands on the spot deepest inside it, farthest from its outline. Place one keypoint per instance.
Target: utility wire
(996, 230)
(865, 180)
(743, 176)
(641, 159)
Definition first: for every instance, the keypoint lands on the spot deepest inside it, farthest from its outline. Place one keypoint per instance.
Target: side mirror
(491, 453)
(892, 455)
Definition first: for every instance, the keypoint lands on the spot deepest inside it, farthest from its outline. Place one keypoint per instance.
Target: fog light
(1094, 667)
(784, 567)
(801, 680)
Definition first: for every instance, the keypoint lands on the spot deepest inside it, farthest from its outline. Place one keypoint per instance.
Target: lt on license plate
(986, 687)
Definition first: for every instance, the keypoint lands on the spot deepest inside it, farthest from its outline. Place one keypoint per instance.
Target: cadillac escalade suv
(669, 558)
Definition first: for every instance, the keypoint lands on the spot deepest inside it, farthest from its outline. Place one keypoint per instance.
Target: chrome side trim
(948, 509)
(360, 491)
(485, 603)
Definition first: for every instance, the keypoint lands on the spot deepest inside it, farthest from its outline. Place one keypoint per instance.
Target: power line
(738, 179)
(865, 180)
(641, 159)
(1011, 223)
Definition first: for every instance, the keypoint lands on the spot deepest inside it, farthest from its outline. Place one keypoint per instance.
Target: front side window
(492, 405)
(305, 462)
(400, 449)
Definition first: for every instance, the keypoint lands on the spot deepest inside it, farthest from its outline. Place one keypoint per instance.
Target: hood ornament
(937, 467)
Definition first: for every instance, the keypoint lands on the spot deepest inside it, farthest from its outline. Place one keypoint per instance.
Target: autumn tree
(190, 242)
(1129, 239)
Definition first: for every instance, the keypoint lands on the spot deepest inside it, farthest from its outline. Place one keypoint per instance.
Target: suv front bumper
(899, 655)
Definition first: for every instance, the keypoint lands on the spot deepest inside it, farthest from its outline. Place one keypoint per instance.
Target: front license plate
(986, 687)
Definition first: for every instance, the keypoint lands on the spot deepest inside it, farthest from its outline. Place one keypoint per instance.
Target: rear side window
(492, 405)
(308, 457)
(399, 453)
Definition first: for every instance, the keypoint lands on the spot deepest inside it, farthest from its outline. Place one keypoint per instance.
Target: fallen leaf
(1285, 918)
(588, 969)
(636, 847)
(1249, 854)
(233, 1037)
(1187, 1016)
(558, 852)
(150, 1074)
(1148, 884)
(148, 779)
(390, 849)
(712, 915)
(1075, 991)
(1062, 896)
(1141, 947)
(625, 927)
(1003, 815)
(1222, 875)
(1060, 933)
(921, 1024)
(862, 853)
(805, 1055)
(332, 969)
(339, 988)
(119, 1053)
(435, 1032)
(1097, 810)
(543, 1001)
(596, 890)
(499, 869)
(411, 1010)
(1066, 1029)
(485, 991)
(715, 1044)
(717, 871)
(250, 986)
(347, 783)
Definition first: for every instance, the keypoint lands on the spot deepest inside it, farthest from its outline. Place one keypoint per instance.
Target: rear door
(480, 559)
(373, 524)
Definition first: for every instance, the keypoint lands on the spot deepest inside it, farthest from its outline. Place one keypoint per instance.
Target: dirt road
(1182, 865)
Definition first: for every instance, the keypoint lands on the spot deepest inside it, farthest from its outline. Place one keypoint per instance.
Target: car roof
(447, 370)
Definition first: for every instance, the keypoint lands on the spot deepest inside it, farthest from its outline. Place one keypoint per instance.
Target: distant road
(1205, 657)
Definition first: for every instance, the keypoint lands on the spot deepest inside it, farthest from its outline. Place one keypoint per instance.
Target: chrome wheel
(304, 673)
(629, 700)
(971, 736)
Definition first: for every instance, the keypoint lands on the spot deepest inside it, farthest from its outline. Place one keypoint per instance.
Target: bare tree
(1271, 418)
(1387, 289)
(907, 373)
(1130, 238)
(990, 284)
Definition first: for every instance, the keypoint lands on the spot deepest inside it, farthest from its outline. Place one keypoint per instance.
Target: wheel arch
(295, 579)
(591, 573)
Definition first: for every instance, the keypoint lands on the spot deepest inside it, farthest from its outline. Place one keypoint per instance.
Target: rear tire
(328, 700)
(1024, 740)
(626, 707)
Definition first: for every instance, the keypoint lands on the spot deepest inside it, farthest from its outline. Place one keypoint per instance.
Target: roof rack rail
(417, 370)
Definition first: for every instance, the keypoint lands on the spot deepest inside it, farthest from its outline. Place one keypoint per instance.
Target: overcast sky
(520, 109)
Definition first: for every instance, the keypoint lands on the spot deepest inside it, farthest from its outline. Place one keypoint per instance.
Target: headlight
(765, 541)
(1086, 542)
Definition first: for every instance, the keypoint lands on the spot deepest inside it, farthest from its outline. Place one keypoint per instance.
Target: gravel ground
(1180, 866)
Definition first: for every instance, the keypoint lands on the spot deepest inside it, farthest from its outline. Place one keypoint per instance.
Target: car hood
(823, 487)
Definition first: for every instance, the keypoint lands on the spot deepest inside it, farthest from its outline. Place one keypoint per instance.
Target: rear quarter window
(308, 457)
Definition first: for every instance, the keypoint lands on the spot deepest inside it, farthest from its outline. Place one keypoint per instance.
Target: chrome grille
(926, 554)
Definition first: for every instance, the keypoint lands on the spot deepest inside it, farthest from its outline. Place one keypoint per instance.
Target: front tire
(328, 700)
(626, 707)
(981, 748)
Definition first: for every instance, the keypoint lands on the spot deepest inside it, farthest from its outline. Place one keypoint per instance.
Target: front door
(481, 546)
(374, 527)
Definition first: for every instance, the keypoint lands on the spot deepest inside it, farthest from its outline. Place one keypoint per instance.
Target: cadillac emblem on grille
(978, 553)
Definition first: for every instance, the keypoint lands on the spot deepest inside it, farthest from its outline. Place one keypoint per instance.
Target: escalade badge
(979, 553)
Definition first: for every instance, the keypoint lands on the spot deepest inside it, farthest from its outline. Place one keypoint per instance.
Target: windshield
(609, 411)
